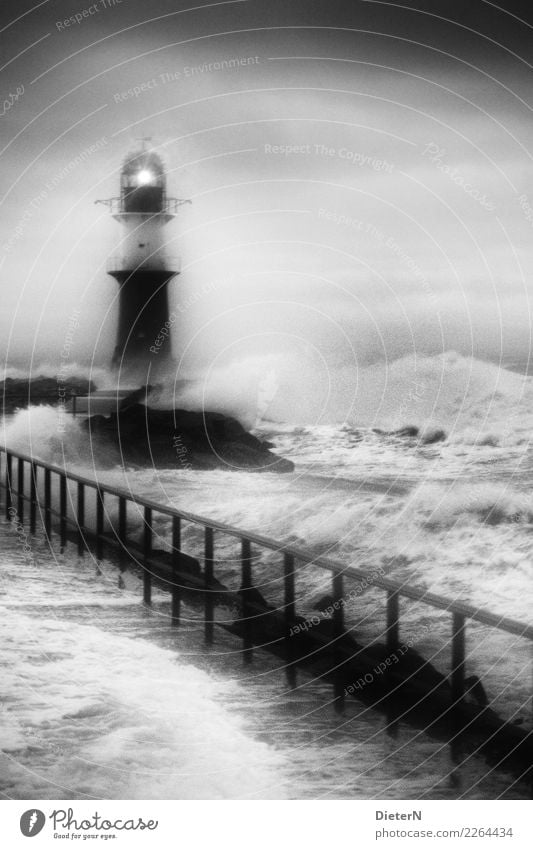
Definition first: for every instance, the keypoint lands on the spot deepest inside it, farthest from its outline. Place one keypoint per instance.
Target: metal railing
(16, 499)
(169, 206)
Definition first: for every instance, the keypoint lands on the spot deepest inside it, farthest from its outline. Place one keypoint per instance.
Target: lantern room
(142, 184)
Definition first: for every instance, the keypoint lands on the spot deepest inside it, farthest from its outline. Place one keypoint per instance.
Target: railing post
(81, 518)
(20, 489)
(290, 614)
(208, 577)
(176, 533)
(458, 658)
(9, 473)
(147, 550)
(176, 547)
(33, 497)
(99, 523)
(338, 605)
(246, 584)
(63, 510)
(122, 526)
(48, 504)
(393, 621)
(290, 606)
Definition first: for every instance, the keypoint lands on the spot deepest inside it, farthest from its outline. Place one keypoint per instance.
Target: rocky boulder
(182, 439)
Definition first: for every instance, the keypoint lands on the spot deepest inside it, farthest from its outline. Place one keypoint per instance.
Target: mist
(355, 208)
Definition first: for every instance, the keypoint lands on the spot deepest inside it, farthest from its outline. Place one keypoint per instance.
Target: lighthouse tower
(143, 269)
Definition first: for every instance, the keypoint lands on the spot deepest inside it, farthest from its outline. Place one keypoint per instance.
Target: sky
(360, 177)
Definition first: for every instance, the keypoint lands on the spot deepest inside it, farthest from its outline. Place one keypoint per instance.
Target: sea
(429, 481)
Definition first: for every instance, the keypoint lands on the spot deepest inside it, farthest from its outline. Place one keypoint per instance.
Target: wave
(469, 400)
(100, 376)
(461, 399)
(48, 433)
(123, 719)
(488, 504)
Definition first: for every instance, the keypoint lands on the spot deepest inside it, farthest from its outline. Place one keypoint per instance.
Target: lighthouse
(143, 268)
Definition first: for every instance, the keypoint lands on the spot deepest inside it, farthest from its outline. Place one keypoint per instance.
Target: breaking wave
(461, 399)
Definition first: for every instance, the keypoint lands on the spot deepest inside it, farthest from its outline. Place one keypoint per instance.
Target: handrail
(392, 586)
(169, 206)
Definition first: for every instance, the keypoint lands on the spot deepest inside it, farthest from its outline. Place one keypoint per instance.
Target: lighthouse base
(143, 335)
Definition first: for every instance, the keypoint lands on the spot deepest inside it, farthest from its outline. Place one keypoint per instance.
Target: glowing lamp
(144, 177)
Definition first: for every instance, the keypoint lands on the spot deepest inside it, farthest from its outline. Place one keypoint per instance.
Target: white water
(453, 517)
(113, 717)
(101, 699)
